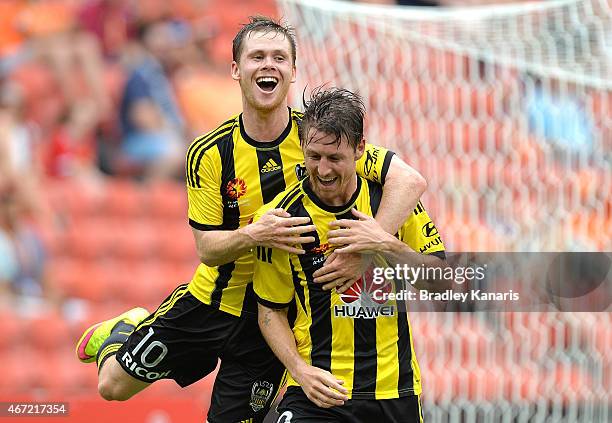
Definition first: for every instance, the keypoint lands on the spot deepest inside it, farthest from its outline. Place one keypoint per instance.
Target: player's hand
(277, 229)
(341, 271)
(357, 236)
(321, 387)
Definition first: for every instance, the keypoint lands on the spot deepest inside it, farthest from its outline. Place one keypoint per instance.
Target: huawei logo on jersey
(236, 188)
(364, 291)
(365, 300)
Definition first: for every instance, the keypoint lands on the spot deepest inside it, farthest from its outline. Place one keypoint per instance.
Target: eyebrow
(261, 51)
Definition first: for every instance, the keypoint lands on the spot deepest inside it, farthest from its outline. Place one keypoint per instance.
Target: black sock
(119, 334)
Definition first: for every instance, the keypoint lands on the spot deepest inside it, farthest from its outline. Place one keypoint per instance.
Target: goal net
(507, 111)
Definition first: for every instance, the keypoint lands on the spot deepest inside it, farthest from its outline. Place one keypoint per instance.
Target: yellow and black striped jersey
(359, 336)
(229, 176)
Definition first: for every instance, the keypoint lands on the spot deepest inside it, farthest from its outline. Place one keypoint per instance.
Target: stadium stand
(114, 241)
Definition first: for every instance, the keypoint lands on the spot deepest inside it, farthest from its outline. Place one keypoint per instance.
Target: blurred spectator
(11, 38)
(48, 33)
(71, 150)
(18, 161)
(556, 115)
(15, 137)
(23, 255)
(151, 122)
(113, 22)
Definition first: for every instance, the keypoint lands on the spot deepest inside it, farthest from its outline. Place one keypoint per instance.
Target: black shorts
(184, 339)
(297, 408)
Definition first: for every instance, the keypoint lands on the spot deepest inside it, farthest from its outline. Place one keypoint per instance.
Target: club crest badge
(260, 394)
(300, 171)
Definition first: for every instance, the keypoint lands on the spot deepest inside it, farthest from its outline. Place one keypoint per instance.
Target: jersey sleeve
(203, 175)
(272, 276)
(374, 164)
(420, 233)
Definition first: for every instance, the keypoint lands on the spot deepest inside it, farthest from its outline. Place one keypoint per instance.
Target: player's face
(265, 71)
(331, 167)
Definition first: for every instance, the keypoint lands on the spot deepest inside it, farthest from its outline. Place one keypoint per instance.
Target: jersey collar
(331, 209)
(259, 144)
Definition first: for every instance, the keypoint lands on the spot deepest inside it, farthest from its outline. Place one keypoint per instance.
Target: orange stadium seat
(136, 241)
(540, 332)
(70, 376)
(92, 238)
(19, 371)
(65, 275)
(12, 330)
(141, 283)
(176, 242)
(167, 200)
(568, 381)
(48, 331)
(92, 283)
(603, 338)
(124, 198)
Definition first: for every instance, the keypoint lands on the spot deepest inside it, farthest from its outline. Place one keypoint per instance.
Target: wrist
(390, 245)
(246, 238)
(298, 370)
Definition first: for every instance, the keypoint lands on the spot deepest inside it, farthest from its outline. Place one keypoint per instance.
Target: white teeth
(267, 79)
(326, 180)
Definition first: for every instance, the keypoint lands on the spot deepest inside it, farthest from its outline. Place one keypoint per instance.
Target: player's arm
(215, 244)
(276, 228)
(319, 385)
(397, 252)
(373, 239)
(273, 286)
(402, 185)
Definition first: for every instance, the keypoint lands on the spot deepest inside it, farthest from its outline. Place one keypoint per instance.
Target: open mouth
(326, 181)
(267, 83)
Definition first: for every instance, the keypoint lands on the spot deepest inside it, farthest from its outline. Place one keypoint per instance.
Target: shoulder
(296, 115)
(220, 132)
(292, 194)
(200, 149)
(211, 138)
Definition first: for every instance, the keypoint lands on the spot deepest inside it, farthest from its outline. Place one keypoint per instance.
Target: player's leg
(295, 407)
(115, 384)
(249, 378)
(101, 341)
(398, 410)
(181, 341)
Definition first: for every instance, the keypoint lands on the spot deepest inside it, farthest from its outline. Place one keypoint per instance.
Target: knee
(113, 392)
(113, 389)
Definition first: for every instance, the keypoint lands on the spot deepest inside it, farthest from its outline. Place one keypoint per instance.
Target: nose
(324, 169)
(269, 62)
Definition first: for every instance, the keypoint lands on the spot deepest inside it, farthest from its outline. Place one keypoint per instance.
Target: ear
(235, 71)
(360, 149)
(293, 74)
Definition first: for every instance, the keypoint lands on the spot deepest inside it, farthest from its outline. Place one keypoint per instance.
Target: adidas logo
(270, 166)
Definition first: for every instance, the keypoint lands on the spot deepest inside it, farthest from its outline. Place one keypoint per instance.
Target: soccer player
(230, 173)
(349, 356)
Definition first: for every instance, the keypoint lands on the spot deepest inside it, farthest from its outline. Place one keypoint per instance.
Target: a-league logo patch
(260, 394)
